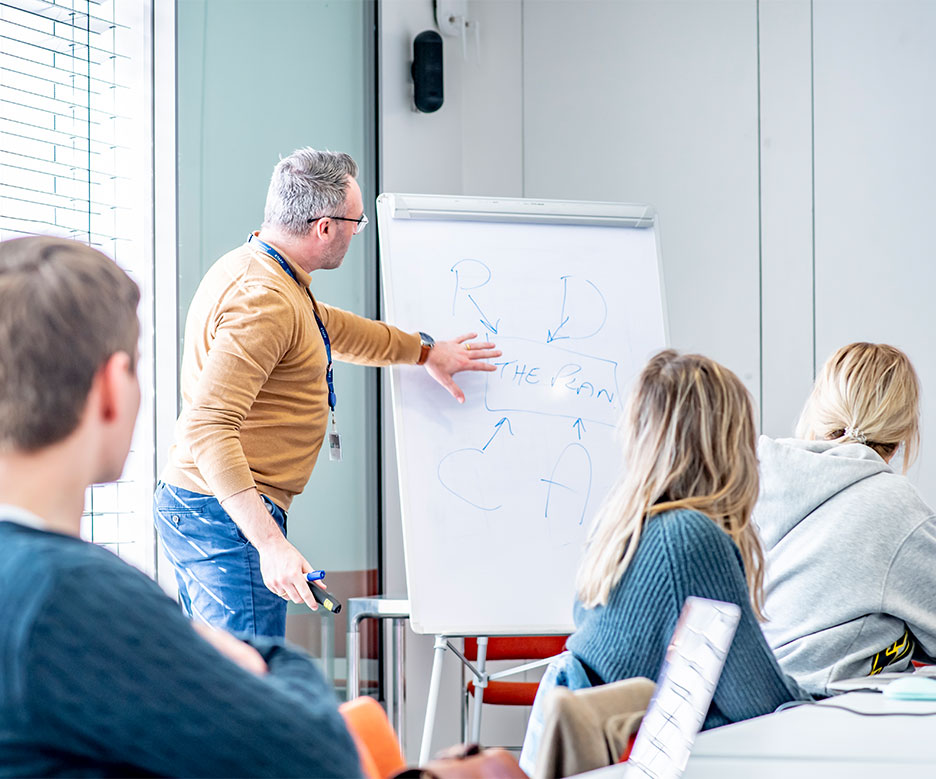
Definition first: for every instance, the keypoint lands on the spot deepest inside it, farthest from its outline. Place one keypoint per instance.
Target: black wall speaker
(427, 71)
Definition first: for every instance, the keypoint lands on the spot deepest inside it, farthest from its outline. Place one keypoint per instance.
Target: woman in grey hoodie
(850, 545)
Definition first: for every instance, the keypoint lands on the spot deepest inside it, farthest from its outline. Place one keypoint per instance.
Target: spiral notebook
(687, 681)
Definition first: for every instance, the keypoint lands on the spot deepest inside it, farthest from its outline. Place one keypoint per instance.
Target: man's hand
(284, 572)
(232, 648)
(282, 567)
(447, 358)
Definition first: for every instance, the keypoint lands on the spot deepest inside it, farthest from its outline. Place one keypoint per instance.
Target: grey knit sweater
(101, 675)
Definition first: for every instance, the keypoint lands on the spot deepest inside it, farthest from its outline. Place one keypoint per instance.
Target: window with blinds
(76, 161)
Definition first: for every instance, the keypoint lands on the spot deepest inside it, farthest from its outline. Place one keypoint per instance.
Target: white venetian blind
(75, 161)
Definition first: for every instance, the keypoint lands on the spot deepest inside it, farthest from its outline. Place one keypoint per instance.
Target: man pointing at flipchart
(258, 397)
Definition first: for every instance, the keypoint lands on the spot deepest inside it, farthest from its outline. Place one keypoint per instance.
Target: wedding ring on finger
(468, 347)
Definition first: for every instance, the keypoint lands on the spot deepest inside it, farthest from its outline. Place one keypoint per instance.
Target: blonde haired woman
(850, 544)
(677, 524)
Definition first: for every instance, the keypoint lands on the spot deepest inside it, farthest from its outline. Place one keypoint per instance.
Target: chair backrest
(517, 647)
(373, 734)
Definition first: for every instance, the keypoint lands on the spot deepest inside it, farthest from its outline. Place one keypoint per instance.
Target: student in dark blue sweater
(100, 674)
(678, 523)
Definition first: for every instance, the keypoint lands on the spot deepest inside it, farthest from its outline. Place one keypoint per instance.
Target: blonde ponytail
(868, 394)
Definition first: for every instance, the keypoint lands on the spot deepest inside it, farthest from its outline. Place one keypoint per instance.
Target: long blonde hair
(866, 393)
(689, 442)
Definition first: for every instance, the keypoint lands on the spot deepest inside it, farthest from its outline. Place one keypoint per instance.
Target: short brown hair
(65, 309)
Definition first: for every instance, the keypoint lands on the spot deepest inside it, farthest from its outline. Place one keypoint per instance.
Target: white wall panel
(656, 102)
(419, 152)
(492, 108)
(785, 38)
(875, 184)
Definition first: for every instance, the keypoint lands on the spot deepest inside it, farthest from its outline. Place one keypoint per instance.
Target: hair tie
(855, 434)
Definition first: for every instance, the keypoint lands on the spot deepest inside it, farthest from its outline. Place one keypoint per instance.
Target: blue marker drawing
(564, 318)
(466, 274)
(460, 470)
(456, 494)
(497, 428)
(552, 380)
(576, 490)
(484, 319)
(579, 426)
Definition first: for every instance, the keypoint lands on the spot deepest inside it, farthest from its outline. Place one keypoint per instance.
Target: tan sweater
(254, 398)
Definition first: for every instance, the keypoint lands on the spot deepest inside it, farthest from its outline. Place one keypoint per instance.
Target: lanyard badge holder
(334, 439)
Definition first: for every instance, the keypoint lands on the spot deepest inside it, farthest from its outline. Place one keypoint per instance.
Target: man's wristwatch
(426, 342)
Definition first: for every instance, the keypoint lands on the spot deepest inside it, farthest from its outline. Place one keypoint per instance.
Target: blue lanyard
(329, 374)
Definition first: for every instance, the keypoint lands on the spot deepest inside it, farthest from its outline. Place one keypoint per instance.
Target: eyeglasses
(359, 224)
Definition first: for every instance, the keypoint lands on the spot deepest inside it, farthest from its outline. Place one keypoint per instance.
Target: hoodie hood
(796, 477)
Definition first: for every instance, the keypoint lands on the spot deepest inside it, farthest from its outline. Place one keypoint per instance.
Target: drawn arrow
(580, 427)
(497, 428)
(451, 474)
(484, 319)
(553, 335)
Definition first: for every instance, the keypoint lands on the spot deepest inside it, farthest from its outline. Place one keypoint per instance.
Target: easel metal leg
(399, 679)
(433, 702)
(480, 685)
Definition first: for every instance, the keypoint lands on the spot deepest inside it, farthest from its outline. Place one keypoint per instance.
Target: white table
(818, 742)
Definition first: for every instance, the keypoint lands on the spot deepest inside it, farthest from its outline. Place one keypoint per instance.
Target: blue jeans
(217, 568)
